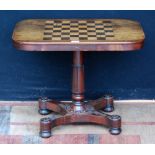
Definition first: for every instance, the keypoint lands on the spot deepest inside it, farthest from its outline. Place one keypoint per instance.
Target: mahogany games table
(78, 35)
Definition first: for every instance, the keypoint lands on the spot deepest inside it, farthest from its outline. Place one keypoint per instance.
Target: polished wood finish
(78, 35)
(79, 111)
(78, 81)
(88, 115)
(112, 122)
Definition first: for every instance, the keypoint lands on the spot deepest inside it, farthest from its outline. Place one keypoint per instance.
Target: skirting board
(116, 101)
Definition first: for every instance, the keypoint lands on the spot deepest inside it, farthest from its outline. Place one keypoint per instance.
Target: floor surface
(19, 123)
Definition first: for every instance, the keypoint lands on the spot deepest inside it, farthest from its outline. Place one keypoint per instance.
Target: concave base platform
(90, 112)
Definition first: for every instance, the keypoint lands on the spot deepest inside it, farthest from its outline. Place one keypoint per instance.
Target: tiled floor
(20, 124)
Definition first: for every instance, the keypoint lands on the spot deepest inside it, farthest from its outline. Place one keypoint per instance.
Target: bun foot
(45, 127)
(115, 128)
(42, 106)
(109, 103)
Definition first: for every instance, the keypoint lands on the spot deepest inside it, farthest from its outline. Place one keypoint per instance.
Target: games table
(78, 35)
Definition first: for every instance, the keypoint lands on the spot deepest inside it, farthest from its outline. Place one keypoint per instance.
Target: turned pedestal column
(78, 81)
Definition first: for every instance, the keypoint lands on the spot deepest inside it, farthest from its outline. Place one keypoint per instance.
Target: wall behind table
(28, 75)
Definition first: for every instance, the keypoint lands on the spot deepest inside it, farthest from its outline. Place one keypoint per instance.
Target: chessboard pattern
(78, 30)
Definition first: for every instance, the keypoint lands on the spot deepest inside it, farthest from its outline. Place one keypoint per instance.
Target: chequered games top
(78, 30)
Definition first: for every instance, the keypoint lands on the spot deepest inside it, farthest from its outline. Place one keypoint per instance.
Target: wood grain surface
(78, 35)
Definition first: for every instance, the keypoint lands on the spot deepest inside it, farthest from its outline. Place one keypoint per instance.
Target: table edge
(100, 46)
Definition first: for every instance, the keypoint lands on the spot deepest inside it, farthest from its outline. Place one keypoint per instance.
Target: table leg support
(112, 122)
(79, 111)
(78, 82)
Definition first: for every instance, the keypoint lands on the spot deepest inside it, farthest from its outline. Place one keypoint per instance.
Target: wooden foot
(115, 126)
(45, 127)
(109, 107)
(43, 106)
